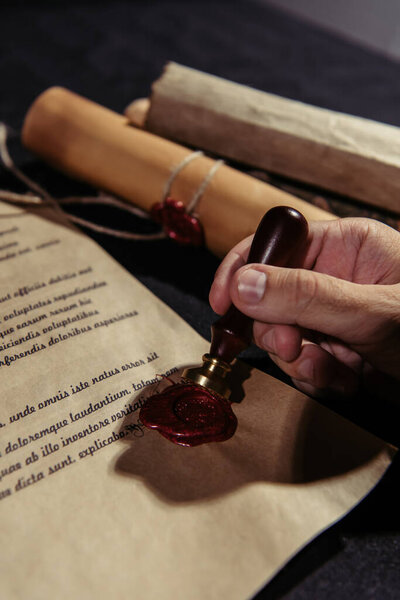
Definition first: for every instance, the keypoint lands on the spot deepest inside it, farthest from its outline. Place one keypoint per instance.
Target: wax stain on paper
(189, 415)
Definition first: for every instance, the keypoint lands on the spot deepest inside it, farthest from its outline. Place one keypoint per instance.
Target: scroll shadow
(284, 440)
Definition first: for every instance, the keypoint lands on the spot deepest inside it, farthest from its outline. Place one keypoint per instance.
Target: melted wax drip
(189, 415)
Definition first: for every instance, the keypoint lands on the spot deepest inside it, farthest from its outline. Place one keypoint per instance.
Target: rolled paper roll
(348, 155)
(94, 144)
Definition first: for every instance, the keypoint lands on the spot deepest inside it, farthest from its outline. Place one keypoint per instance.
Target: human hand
(336, 317)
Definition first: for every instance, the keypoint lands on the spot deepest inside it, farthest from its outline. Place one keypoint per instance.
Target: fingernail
(305, 370)
(251, 286)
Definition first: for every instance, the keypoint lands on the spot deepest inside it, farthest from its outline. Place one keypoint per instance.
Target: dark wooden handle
(280, 235)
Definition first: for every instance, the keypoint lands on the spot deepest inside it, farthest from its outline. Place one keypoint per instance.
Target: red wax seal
(177, 223)
(189, 415)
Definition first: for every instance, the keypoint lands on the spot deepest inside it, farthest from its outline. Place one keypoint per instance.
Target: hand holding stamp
(198, 410)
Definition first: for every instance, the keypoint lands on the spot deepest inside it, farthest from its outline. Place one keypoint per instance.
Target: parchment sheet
(91, 504)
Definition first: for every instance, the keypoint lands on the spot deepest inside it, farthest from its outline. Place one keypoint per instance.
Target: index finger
(219, 297)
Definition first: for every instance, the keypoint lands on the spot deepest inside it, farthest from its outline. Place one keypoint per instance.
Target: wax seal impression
(189, 415)
(178, 224)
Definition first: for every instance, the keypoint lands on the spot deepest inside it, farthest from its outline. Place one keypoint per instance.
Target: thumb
(349, 311)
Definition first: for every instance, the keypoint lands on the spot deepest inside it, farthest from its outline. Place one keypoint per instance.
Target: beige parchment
(346, 154)
(91, 504)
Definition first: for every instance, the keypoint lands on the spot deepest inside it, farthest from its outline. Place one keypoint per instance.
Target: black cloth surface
(111, 52)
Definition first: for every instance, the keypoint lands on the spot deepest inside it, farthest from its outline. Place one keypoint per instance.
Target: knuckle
(302, 288)
(385, 318)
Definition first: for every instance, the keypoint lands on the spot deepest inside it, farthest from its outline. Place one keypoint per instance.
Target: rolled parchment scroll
(349, 155)
(94, 144)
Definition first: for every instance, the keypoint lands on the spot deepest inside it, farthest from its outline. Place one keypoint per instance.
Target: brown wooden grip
(281, 233)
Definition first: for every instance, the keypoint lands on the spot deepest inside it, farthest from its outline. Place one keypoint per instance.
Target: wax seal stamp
(189, 415)
(198, 410)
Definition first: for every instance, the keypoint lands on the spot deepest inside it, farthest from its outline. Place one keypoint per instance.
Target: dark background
(111, 52)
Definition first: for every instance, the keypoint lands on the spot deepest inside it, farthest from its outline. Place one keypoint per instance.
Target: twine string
(187, 160)
(38, 196)
(11, 166)
(191, 207)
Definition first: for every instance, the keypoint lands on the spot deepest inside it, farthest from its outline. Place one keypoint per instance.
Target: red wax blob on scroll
(198, 411)
(178, 224)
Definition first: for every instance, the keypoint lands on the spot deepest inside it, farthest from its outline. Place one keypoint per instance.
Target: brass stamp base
(211, 375)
